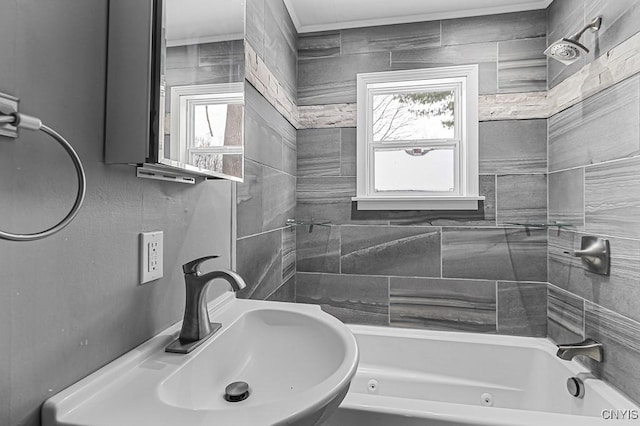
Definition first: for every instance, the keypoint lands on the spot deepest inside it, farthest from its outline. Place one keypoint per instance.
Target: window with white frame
(207, 127)
(418, 139)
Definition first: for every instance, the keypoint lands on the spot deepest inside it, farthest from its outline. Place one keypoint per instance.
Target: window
(418, 139)
(207, 127)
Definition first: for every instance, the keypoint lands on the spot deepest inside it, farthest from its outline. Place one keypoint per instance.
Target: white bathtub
(442, 378)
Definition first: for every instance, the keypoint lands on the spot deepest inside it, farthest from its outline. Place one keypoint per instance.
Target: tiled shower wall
(594, 184)
(450, 270)
(266, 247)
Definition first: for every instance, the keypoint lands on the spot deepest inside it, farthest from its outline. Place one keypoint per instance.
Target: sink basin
(297, 360)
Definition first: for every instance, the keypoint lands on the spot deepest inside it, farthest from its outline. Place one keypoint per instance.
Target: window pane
(229, 164)
(414, 116)
(415, 169)
(217, 125)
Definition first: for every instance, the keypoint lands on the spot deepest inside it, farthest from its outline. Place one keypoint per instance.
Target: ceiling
(320, 15)
(202, 21)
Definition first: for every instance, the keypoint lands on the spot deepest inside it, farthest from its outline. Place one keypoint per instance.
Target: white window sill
(418, 203)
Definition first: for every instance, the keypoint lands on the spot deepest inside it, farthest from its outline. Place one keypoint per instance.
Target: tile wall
(594, 184)
(266, 247)
(448, 270)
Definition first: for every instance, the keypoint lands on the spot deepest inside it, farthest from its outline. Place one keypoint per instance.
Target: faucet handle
(193, 266)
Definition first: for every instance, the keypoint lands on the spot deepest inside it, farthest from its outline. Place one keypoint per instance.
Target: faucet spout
(589, 348)
(196, 326)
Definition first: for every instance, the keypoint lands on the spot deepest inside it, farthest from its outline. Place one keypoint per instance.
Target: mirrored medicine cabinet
(175, 88)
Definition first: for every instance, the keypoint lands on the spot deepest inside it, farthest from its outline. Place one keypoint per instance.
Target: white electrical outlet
(151, 253)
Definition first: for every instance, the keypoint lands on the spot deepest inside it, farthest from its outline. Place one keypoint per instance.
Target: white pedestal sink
(297, 360)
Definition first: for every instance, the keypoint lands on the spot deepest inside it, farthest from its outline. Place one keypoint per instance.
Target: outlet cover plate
(151, 255)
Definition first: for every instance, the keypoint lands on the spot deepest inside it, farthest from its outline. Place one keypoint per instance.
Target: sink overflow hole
(236, 392)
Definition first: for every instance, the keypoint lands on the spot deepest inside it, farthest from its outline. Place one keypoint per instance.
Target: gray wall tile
(522, 199)
(620, 338)
(506, 26)
(612, 198)
(347, 152)
(286, 292)
(619, 22)
(565, 316)
(326, 189)
(579, 135)
(522, 309)
(266, 131)
(280, 45)
(288, 253)
(337, 210)
(204, 75)
(566, 197)
(458, 305)
(513, 146)
(619, 291)
(565, 18)
(483, 54)
(401, 251)
(350, 298)
(229, 52)
(510, 254)
(522, 67)
(319, 45)
(249, 200)
(333, 80)
(318, 250)
(254, 25)
(319, 152)
(391, 37)
(259, 262)
(265, 200)
(181, 57)
(289, 157)
(221, 62)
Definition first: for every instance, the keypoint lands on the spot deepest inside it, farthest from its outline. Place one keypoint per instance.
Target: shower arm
(594, 25)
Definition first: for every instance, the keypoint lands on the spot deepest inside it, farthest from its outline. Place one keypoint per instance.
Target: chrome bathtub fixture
(589, 348)
(196, 327)
(10, 121)
(595, 253)
(575, 384)
(568, 50)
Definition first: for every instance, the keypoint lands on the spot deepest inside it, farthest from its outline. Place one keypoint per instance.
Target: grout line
(441, 253)
(601, 163)
(496, 200)
(389, 301)
(584, 197)
(497, 67)
(339, 248)
(497, 308)
(483, 280)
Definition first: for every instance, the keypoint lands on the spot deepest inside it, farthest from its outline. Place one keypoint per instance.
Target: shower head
(568, 50)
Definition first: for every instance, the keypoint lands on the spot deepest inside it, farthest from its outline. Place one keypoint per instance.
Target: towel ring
(32, 123)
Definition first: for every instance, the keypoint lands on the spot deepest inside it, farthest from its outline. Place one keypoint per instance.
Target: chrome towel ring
(17, 120)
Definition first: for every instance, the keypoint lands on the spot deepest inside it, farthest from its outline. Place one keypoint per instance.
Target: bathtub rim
(463, 412)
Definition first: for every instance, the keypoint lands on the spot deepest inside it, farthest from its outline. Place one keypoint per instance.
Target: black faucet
(196, 327)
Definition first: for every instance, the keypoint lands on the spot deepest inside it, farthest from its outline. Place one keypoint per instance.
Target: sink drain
(236, 391)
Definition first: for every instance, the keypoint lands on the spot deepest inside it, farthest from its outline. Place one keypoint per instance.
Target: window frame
(184, 99)
(464, 81)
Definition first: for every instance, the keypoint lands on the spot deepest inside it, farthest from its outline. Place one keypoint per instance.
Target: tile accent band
(619, 63)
